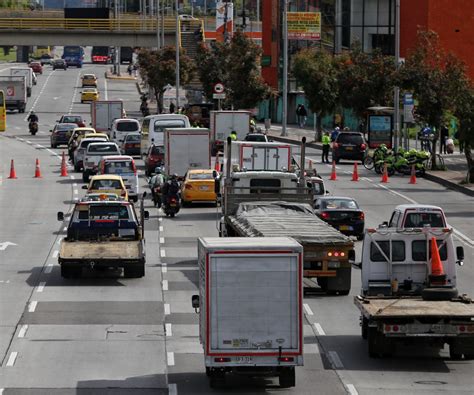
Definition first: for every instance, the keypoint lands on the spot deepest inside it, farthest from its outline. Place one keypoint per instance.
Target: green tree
(465, 113)
(434, 76)
(158, 69)
(235, 64)
(317, 73)
(365, 79)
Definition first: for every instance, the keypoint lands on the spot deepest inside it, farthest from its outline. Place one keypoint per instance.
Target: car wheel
(53, 145)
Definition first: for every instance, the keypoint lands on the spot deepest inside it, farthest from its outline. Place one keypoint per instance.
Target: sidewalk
(452, 178)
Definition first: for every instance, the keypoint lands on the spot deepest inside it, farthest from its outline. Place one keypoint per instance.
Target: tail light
(286, 359)
(173, 200)
(123, 193)
(361, 215)
(336, 254)
(188, 186)
(363, 147)
(221, 359)
(325, 215)
(336, 145)
(81, 124)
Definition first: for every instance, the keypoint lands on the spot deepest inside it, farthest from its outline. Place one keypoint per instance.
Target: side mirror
(50, 130)
(195, 302)
(460, 255)
(146, 214)
(326, 192)
(84, 187)
(60, 216)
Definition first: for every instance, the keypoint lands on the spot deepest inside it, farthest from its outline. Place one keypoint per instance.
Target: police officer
(233, 135)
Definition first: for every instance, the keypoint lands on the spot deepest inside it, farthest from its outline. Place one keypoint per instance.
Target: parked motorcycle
(172, 206)
(33, 127)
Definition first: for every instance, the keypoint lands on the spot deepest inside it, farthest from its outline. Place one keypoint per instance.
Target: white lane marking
(72, 177)
(50, 151)
(167, 309)
(162, 253)
(74, 184)
(12, 358)
(49, 268)
(351, 389)
(366, 179)
(106, 93)
(160, 219)
(335, 360)
(1, 389)
(172, 389)
(39, 146)
(168, 330)
(65, 228)
(55, 253)
(22, 331)
(165, 285)
(75, 192)
(170, 358)
(19, 138)
(32, 306)
(319, 329)
(75, 92)
(164, 268)
(41, 286)
(311, 348)
(162, 240)
(307, 309)
(76, 199)
(28, 141)
(459, 234)
(161, 229)
(39, 95)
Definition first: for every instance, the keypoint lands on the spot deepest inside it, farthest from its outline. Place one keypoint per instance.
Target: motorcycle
(156, 196)
(33, 126)
(172, 206)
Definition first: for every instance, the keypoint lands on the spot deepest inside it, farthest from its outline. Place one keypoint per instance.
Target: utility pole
(285, 69)
(158, 40)
(177, 57)
(396, 90)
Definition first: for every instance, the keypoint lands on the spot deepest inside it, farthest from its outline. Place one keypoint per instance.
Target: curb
(449, 184)
(293, 141)
(113, 77)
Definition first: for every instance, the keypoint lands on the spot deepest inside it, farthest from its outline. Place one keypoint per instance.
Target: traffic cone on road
(333, 172)
(413, 175)
(12, 171)
(385, 174)
(355, 173)
(63, 167)
(37, 169)
(437, 276)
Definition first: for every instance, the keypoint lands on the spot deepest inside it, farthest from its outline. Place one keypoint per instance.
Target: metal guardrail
(134, 25)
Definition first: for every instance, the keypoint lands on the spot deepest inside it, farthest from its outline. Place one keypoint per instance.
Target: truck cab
(417, 216)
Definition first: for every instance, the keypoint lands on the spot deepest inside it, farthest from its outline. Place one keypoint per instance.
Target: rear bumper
(102, 263)
(354, 155)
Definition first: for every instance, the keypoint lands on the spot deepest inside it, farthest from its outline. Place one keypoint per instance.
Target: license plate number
(349, 148)
(244, 360)
(345, 227)
(204, 188)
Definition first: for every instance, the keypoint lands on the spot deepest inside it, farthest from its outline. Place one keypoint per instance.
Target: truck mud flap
(461, 347)
(341, 284)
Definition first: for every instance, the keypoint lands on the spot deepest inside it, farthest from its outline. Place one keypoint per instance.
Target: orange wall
(453, 20)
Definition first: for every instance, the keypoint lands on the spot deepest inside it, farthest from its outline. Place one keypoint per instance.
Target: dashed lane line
(48, 269)
(170, 358)
(351, 389)
(319, 329)
(41, 286)
(55, 253)
(161, 228)
(22, 331)
(12, 358)
(172, 389)
(307, 309)
(335, 360)
(39, 96)
(167, 309)
(32, 306)
(164, 268)
(162, 253)
(165, 285)
(168, 330)
(73, 100)
(162, 240)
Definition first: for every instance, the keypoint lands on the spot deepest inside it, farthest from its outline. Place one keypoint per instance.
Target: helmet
(32, 112)
(158, 170)
(173, 176)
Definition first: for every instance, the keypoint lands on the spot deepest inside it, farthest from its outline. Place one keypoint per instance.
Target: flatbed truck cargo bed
(107, 250)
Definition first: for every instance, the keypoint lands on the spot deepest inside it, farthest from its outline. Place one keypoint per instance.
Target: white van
(154, 125)
(121, 127)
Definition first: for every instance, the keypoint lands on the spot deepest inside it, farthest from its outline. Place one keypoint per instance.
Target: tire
(372, 343)
(185, 203)
(439, 294)
(172, 215)
(134, 271)
(53, 146)
(378, 169)
(77, 168)
(390, 171)
(336, 160)
(364, 328)
(368, 162)
(287, 378)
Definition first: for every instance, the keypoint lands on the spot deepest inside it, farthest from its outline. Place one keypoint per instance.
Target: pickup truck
(409, 292)
(417, 216)
(103, 234)
(93, 155)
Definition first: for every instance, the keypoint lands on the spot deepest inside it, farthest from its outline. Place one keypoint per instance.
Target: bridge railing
(138, 25)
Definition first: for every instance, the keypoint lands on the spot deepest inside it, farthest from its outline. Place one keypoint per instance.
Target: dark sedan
(59, 64)
(61, 133)
(342, 213)
(349, 145)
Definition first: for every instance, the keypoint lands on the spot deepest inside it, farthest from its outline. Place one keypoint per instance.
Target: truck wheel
(373, 343)
(134, 271)
(438, 294)
(287, 378)
(365, 328)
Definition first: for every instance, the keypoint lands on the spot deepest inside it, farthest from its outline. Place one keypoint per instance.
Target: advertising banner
(221, 19)
(304, 25)
(380, 130)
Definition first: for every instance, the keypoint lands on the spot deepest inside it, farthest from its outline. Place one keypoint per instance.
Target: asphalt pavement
(103, 334)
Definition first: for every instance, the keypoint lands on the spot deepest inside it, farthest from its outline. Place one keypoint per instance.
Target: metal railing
(135, 25)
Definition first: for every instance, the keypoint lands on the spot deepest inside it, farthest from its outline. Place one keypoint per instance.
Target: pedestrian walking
(444, 135)
(135, 69)
(298, 114)
(129, 70)
(326, 140)
(172, 107)
(303, 116)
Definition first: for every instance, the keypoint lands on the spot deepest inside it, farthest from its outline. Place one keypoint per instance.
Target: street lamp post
(285, 69)
(177, 57)
(396, 90)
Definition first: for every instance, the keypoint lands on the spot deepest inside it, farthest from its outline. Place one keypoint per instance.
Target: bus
(73, 55)
(126, 55)
(100, 55)
(39, 51)
(3, 113)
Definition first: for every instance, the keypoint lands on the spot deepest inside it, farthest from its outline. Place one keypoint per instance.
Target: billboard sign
(304, 26)
(380, 130)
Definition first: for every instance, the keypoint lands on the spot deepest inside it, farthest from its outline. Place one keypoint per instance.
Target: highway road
(103, 334)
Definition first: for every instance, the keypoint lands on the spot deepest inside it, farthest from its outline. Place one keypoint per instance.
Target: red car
(153, 159)
(36, 67)
(68, 118)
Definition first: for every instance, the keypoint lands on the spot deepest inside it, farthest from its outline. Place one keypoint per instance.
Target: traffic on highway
(141, 255)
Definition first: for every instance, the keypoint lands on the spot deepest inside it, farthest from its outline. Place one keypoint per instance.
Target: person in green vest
(233, 135)
(326, 140)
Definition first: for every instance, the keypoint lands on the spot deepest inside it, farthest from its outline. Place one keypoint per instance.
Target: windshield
(106, 184)
(170, 123)
(132, 138)
(349, 138)
(255, 137)
(419, 220)
(102, 149)
(336, 204)
(85, 143)
(127, 126)
(200, 176)
(71, 119)
(113, 212)
(118, 167)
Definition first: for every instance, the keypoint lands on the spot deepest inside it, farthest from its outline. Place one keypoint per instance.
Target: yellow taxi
(107, 183)
(89, 80)
(89, 94)
(198, 186)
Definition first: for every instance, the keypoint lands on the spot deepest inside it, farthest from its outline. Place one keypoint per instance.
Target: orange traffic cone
(333, 172)
(37, 169)
(355, 173)
(385, 174)
(437, 276)
(63, 167)
(12, 171)
(413, 175)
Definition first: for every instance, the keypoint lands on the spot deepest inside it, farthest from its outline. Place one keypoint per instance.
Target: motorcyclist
(32, 118)
(170, 189)
(157, 181)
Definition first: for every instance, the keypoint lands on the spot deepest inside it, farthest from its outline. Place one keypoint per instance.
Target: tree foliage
(235, 64)
(158, 69)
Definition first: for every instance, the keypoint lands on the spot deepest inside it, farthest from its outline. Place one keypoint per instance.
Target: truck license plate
(243, 360)
(203, 188)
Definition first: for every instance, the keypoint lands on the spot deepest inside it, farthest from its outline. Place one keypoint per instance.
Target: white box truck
(103, 113)
(250, 155)
(250, 306)
(224, 122)
(14, 88)
(186, 148)
(27, 72)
